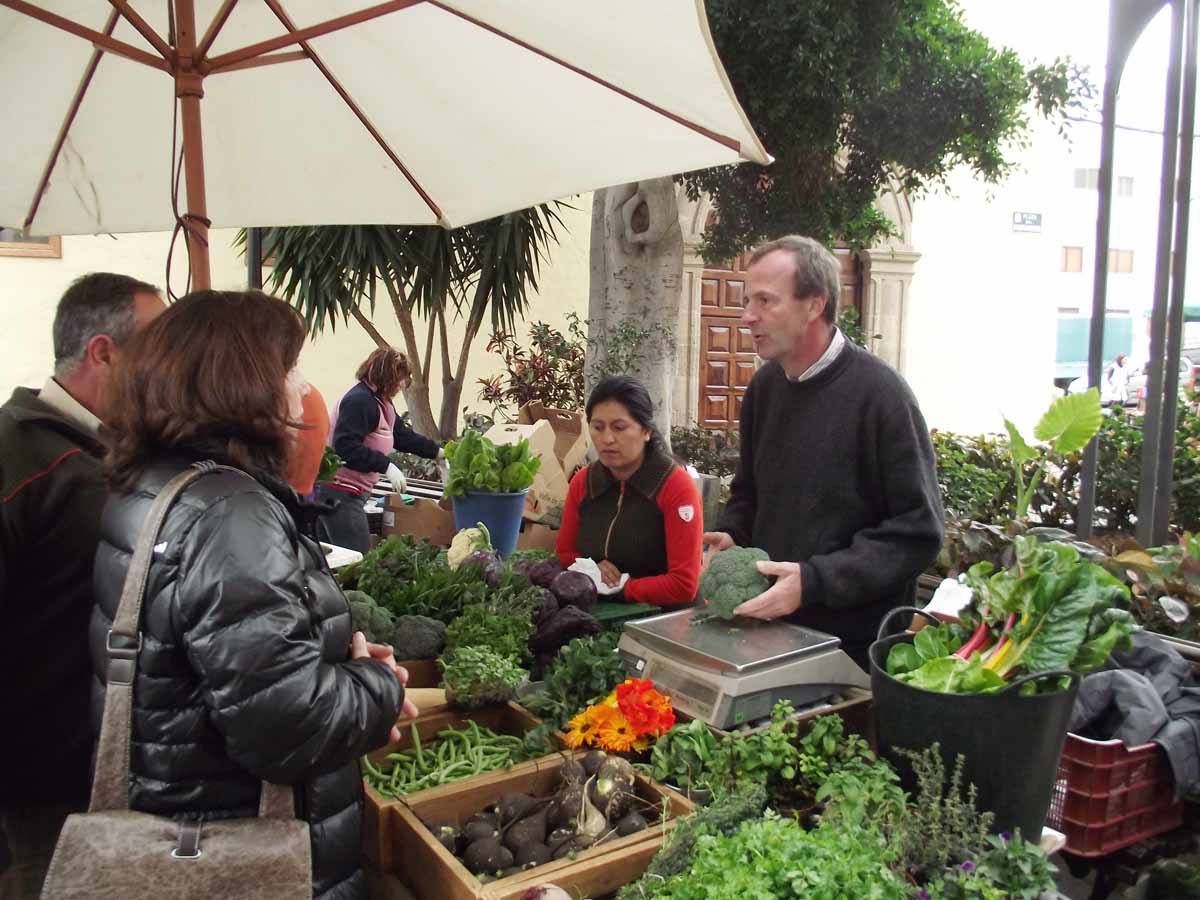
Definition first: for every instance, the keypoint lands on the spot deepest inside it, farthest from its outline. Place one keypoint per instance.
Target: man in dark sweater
(836, 479)
(52, 491)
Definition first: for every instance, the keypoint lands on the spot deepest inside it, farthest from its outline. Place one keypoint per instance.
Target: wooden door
(727, 357)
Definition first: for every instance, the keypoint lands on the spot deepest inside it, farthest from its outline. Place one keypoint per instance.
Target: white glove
(396, 477)
(443, 466)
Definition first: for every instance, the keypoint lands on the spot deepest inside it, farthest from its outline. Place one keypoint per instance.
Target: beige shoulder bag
(114, 852)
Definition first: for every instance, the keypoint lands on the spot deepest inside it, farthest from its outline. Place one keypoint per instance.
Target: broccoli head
(370, 618)
(731, 579)
(418, 637)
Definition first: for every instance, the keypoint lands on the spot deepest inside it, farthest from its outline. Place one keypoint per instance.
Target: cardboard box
(535, 536)
(433, 873)
(570, 433)
(422, 519)
(549, 489)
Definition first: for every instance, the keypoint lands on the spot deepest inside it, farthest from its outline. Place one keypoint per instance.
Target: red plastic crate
(1108, 796)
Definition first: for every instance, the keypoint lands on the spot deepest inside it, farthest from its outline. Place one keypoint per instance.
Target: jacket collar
(647, 480)
(25, 406)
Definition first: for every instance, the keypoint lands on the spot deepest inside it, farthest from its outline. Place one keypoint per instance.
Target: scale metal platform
(727, 673)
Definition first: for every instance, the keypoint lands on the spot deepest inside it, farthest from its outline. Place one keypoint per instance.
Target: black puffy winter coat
(244, 673)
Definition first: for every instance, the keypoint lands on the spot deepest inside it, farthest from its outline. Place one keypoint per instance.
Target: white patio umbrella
(305, 112)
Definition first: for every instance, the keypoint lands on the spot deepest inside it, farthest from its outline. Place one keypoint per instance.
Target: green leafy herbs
(773, 857)
(1006, 869)
(684, 755)
(502, 622)
(768, 756)
(942, 828)
(1051, 610)
(479, 466)
(477, 676)
(585, 670)
(410, 578)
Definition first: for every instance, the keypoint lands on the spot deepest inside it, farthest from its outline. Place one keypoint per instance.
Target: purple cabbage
(575, 589)
(485, 565)
(544, 571)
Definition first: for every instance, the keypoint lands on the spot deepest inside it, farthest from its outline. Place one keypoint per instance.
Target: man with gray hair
(52, 490)
(836, 478)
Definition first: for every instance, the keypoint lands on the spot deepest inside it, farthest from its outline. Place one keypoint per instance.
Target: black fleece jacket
(358, 416)
(837, 473)
(52, 491)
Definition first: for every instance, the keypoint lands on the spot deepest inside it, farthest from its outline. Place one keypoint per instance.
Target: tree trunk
(636, 274)
(452, 388)
(369, 327)
(416, 395)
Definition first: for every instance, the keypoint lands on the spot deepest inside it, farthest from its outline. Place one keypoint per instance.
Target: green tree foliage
(854, 96)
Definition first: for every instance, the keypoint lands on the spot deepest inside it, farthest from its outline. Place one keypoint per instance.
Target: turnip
(532, 855)
(487, 855)
(546, 892)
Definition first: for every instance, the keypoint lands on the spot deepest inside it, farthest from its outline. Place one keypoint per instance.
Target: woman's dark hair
(385, 370)
(207, 377)
(631, 394)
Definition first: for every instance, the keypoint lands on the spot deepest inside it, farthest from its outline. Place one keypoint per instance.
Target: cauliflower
(466, 542)
(370, 618)
(731, 579)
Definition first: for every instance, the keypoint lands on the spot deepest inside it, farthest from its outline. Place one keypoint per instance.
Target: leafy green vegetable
(479, 466)
(585, 670)
(330, 463)
(1067, 426)
(684, 755)
(1013, 869)
(503, 623)
(731, 579)
(477, 676)
(410, 578)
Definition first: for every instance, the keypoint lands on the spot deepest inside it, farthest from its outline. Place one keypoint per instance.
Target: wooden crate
(422, 673)
(502, 719)
(434, 873)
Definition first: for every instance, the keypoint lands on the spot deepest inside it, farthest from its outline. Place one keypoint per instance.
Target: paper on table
(589, 568)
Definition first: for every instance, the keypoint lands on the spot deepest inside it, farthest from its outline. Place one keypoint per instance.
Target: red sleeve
(685, 540)
(567, 546)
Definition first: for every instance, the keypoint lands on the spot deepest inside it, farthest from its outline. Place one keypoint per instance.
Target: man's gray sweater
(837, 473)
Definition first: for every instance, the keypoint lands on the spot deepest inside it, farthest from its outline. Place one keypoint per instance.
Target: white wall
(30, 288)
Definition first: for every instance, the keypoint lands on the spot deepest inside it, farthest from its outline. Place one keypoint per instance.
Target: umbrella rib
(144, 29)
(112, 45)
(68, 120)
(214, 28)
(268, 59)
(723, 139)
(304, 34)
(354, 108)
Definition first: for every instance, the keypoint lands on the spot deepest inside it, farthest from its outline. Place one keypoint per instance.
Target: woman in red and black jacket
(635, 511)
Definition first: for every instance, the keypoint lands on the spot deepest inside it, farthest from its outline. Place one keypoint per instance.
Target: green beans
(456, 754)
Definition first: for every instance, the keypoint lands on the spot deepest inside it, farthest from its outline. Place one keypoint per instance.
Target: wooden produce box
(433, 873)
(502, 719)
(422, 673)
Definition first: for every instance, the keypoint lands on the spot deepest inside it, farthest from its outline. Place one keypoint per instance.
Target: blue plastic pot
(500, 513)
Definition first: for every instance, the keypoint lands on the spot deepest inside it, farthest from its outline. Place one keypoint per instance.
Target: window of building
(1072, 259)
(1087, 178)
(1120, 262)
(1125, 186)
(1068, 310)
(13, 243)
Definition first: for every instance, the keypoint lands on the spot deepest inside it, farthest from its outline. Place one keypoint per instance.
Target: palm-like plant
(328, 272)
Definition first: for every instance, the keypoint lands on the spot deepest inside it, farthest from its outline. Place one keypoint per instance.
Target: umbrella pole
(189, 88)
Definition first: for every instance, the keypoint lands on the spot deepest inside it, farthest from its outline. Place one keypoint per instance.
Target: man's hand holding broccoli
(782, 598)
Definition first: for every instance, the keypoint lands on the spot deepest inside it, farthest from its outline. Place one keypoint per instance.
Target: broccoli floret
(370, 618)
(418, 637)
(731, 579)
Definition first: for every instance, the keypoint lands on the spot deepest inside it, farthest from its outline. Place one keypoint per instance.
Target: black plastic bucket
(1010, 744)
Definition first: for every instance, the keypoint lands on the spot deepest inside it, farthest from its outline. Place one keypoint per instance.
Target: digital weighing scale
(727, 673)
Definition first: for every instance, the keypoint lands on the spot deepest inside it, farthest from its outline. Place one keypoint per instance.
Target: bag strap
(110, 787)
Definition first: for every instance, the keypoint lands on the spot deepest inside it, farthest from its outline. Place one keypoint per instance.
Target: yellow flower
(617, 735)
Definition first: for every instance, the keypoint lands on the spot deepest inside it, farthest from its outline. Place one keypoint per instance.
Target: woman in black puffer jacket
(248, 669)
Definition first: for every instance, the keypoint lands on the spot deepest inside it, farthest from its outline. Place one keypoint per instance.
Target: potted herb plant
(488, 484)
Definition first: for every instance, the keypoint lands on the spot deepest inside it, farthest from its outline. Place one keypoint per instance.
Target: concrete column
(887, 276)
